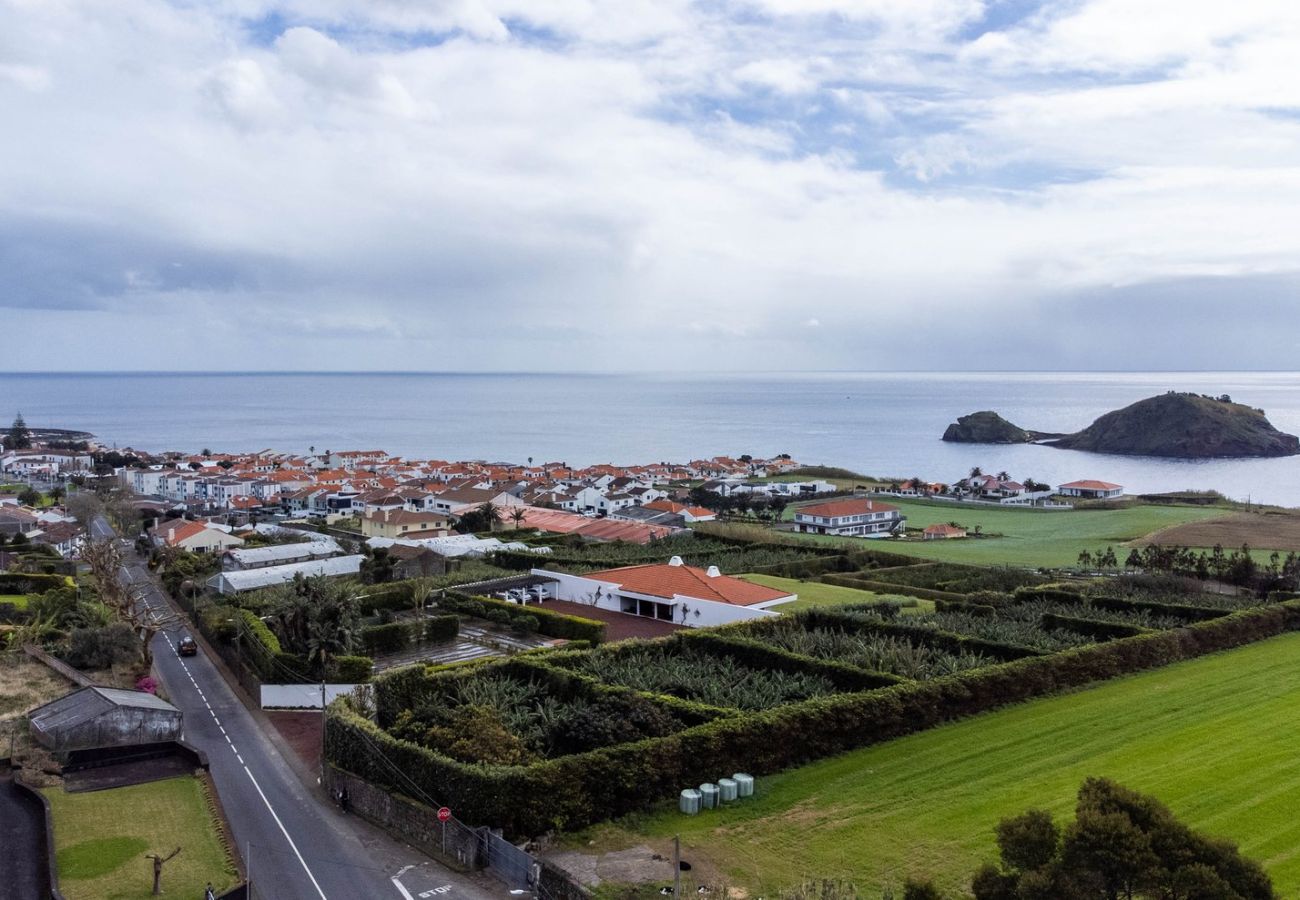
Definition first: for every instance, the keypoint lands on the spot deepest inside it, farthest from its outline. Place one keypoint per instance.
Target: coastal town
(141, 590)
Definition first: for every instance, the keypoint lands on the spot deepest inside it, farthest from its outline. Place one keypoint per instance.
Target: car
(187, 646)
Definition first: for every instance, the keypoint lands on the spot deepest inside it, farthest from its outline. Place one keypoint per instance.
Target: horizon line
(632, 372)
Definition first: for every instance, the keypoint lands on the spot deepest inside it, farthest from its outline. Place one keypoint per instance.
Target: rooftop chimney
(675, 561)
(714, 572)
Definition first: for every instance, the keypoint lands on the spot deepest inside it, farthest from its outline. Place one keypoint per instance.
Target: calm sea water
(886, 424)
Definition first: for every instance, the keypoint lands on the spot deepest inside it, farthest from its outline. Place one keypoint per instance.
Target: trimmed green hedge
(580, 789)
(31, 582)
(257, 630)
(885, 587)
(353, 669)
(441, 628)
(852, 620)
(551, 624)
(1094, 628)
(391, 637)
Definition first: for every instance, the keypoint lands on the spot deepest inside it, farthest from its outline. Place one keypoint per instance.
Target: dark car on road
(187, 647)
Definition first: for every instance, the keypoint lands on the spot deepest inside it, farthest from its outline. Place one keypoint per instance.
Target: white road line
(400, 887)
(292, 845)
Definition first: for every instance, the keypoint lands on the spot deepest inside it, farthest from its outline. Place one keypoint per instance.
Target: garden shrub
(885, 587)
(390, 638)
(31, 582)
(549, 622)
(353, 669)
(441, 628)
(114, 644)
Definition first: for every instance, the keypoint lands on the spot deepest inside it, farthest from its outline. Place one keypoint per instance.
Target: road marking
(292, 845)
(402, 888)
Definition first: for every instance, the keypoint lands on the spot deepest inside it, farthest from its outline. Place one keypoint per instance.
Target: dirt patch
(645, 864)
(1263, 531)
(301, 731)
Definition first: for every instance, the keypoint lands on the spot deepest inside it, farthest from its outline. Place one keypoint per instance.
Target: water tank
(689, 801)
(709, 796)
(744, 784)
(726, 789)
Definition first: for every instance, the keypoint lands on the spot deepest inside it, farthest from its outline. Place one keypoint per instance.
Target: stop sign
(444, 814)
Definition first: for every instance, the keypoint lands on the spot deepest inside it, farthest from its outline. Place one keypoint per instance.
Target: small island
(986, 427)
(1173, 425)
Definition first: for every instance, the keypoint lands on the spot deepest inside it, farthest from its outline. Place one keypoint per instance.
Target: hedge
(441, 628)
(257, 629)
(551, 624)
(580, 789)
(953, 643)
(885, 587)
(391, 637)
(1094, 628)
(31, 582)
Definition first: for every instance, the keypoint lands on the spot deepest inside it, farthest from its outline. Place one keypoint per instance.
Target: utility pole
(677, 867)
(322, 723)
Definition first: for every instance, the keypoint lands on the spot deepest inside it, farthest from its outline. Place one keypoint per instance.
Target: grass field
(1032, 537)
(1213, 738)
(102, 838)
(814, 593)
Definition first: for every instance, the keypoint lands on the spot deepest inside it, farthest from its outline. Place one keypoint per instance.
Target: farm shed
(104, 717)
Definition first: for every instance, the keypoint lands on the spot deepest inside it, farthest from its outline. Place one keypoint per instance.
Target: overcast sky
(583, 185)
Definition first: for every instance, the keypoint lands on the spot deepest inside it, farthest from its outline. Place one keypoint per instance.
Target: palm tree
(518, 513)
(490, 515)
(1003, 476)
(976, 472)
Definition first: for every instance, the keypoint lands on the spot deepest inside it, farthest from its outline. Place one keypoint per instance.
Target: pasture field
(1213, 738)
(101, 839)
(1270, 530)
(814, 593)
(1030, 537)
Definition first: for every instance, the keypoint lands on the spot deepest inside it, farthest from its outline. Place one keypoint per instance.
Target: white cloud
(656, 177)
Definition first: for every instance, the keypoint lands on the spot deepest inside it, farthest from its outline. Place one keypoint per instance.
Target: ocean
(880, 423)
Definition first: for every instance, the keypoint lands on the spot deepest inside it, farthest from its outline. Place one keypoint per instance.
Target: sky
(649, 185)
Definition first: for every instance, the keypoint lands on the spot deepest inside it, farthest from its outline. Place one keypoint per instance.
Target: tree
(976, 472)
(125, 599)
(1003, 476)
(1085, 559)
(158, 867)
(484, 517)
(20, 436)
(57, 493)
(29, 496)
(920, 890)
(518, 513)
(1121, 844)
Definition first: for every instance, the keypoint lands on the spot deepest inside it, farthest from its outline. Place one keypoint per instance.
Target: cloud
(590, 183)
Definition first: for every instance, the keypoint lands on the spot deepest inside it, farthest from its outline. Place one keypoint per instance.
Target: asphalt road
(296, 845)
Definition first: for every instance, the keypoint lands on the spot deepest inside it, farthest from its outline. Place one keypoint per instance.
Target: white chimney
(713, 572)
(675, 561)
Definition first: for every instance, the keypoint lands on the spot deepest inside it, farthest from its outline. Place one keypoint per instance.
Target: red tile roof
(1092, 485)
(834, 509)
(668, 581)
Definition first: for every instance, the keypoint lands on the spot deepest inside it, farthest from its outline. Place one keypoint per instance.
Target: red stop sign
(444, 814)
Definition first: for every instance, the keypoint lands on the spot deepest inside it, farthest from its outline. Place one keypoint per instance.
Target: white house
(671, 592)
(850, 517)
(197, 537)
(1092, 490)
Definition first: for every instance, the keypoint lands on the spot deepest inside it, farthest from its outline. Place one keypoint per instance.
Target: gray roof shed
(95, 717)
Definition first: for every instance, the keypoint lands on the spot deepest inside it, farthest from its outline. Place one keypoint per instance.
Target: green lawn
(814, 593)
(18, 600)
(1213, 738)
(102, 837)
(1030, 537)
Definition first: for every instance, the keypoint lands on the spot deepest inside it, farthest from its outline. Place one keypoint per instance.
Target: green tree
(19, 436)
(920, 890)
(29, 496)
